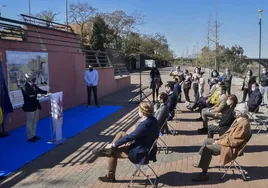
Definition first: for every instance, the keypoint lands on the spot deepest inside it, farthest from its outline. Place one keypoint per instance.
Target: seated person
(226, 120)
(172, 98)
(162, 113)
(141, 139)
(215, 111)
(255, 98)
(211, 92)
(210, 102)
(177, 88)
(228, 146)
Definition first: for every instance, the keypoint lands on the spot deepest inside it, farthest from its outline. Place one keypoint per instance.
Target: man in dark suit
(255, 98)
(172, 98)
(162, 112)
(31, 104)
(142, 139)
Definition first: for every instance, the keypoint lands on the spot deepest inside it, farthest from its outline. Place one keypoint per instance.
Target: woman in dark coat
(155, 82)
(248, 81)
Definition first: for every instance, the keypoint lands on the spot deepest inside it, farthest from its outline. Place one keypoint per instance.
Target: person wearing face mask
(172, 98)
(155, 82)
(31, 105)
(228, 146)
(226, 120)
(214, 74)
(162, 112)
(247, 83)
(215, 111)
(227, 80)
(195, 81)
(255, 98)
(264, 83)
(141, 139)
(91, 79)
(187, 82)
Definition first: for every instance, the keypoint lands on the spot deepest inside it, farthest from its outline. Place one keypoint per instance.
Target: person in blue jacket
(141, 139)
(216, 75)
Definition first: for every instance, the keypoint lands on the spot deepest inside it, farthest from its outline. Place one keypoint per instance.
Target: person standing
(264, 83)
(227, 78)
(155, 82)
(247, 83)
(31, 104)
(91, 78)
(195, 81)
(187, 82)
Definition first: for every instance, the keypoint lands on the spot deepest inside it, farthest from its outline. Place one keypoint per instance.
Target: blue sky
(184, 22)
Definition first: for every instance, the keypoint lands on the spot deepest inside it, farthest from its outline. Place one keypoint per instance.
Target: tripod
(139, 93)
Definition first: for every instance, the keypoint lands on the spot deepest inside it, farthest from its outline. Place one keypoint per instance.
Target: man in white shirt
(91, 78)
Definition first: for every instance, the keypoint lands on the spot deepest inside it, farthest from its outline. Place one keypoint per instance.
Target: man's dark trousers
(94, 88)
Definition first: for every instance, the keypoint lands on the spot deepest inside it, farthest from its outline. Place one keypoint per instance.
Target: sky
(183, 22)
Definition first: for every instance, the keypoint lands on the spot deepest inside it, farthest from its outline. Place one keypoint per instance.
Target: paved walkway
(73, 165)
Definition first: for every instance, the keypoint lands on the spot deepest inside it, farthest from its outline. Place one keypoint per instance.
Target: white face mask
(217, 86)
(167, 90)
(228, 102)
(264, 71)
(253, 89)
(219, 92)
(237, 114)
(214, 74)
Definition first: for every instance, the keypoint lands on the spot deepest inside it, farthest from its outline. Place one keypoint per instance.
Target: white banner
(19, 63)
(56, 115)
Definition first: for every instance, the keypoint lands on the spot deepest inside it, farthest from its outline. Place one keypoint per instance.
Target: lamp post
(29, 6)
(1, 9)
(260, 12)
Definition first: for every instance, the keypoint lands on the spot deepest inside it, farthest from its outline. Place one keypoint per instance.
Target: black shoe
(31, 140)
(106, 152)
(36, 137)
(199, 119)
(107, 179)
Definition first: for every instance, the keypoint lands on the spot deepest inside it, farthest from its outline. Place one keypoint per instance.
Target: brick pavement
(72, 164)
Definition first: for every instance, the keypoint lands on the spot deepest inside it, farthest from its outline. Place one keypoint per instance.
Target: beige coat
(233, 140)
(221, 105)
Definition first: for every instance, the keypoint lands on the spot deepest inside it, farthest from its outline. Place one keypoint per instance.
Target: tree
(47, 15)
(133, 44)
(121, 23)
(82, 14)
(101, 34)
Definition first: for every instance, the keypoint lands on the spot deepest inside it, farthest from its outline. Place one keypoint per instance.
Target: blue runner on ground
(16, 151)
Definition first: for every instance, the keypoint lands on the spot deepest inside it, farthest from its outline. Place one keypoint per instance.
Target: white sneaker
(108, 146)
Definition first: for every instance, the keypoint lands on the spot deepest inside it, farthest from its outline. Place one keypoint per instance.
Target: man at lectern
(31, 104)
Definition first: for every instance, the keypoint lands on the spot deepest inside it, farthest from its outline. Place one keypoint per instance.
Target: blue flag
(5, 100)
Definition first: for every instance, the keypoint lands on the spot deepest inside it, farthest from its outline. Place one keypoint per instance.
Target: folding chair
(262, 126)
(252, 115)
(161, 143)
(139, 170)
(234, 163)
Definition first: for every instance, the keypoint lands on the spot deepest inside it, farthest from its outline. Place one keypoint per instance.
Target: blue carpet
(16, 151)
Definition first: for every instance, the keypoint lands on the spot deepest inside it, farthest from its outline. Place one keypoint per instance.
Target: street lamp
(1, 9)
(260, 12)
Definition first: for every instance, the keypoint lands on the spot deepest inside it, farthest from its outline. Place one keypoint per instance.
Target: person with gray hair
(228, 146)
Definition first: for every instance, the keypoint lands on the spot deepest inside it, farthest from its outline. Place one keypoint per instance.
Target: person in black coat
(255, 98)
(162, 113)
(31, 104)
(226, 120)
(141, 139)
(172, 98)
(248, 81)
(155, 82)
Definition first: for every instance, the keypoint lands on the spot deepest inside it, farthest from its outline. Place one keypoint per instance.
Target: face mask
(214, 74)
(237, 114)
(253, 89)
(228, 102)
(217, 86)
(248, 74)
(219, 92)
(91, 69)
(167, 90)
